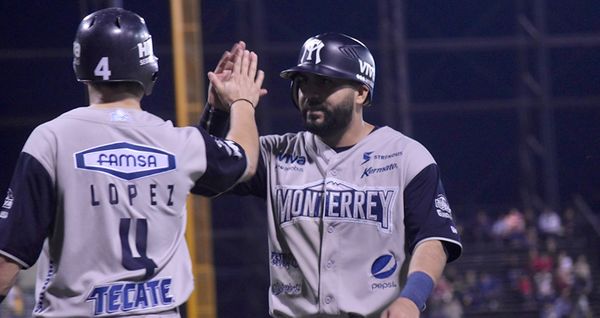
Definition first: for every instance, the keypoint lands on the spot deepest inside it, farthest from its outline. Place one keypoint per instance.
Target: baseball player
(346, 198)
(100, 191)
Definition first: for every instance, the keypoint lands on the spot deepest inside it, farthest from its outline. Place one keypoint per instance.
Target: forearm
(428, 257)
(244, 132)
(425, 269)
(8, 275)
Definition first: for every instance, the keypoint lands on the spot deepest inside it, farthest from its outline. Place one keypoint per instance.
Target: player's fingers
(260, 77)
(245, 62)
(222, 62)
(242, 45)
(263, 92)
(215, 81)
(223, 75)
(253, 65)
(237, 62)
(229, 65)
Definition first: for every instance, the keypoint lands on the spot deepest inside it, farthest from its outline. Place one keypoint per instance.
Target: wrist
(418, 287)
(241, 101)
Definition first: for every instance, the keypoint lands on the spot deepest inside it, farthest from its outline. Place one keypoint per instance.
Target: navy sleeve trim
(28, 212)
(257, 185)
(214, 121)
(427, 214)
(225, 165)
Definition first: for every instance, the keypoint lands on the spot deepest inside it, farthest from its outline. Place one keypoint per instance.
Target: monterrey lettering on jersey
(336, 200)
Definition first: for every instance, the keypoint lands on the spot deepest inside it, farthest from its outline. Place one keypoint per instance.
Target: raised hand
(222, 71)
(243, 81)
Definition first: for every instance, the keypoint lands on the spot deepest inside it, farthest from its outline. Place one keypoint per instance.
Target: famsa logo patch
(126, 161)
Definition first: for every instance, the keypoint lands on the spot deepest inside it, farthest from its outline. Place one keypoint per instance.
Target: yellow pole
(189, 97)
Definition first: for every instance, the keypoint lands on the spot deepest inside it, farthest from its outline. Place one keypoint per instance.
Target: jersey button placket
(330, 264)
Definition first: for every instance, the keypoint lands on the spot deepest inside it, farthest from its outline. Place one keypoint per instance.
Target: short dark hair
(113, 91)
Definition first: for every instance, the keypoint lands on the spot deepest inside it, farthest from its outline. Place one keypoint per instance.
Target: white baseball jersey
(339, 221)
(102, 194)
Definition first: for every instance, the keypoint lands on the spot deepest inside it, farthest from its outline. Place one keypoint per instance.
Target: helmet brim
(315, 69)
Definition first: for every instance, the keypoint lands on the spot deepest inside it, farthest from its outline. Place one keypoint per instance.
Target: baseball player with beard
(346, 198)
(99, 193)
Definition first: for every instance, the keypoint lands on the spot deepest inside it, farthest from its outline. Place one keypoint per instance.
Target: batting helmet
(114, 45)
(334, 55)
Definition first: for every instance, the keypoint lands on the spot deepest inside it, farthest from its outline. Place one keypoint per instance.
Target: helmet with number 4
(114, 45)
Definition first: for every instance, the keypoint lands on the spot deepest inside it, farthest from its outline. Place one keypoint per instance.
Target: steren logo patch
(126, 161)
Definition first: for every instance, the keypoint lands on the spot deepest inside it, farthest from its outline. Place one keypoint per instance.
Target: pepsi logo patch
(125, 160)
(384, 266)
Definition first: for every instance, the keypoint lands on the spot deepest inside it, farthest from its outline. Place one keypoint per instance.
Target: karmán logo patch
(384, 266)
(126, 161)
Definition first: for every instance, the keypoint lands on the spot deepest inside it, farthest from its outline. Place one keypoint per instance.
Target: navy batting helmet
(114, 45)
(335, 55)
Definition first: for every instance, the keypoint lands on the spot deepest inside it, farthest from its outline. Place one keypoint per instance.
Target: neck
(356, 131)
(105, 98)
(127, 103)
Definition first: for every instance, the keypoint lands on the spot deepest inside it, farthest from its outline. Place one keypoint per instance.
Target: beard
(335, 118)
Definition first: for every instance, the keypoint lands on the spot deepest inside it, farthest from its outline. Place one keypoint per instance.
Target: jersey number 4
(141, 261)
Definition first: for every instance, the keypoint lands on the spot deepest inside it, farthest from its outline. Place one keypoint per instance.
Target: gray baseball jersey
(340, 220)
(102, 194)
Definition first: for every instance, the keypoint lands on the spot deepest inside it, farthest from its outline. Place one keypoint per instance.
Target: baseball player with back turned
(100, 191)
(345, 198)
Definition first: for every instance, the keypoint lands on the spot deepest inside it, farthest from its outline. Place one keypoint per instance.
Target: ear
(362, 94)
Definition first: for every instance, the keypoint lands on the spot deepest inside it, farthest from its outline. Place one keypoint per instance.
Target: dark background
(465, 67)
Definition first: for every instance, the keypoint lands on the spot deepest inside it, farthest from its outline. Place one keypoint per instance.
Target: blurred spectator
(583, 275)
(445, 304)
(548, 311)
(510, 228)
(469, 290)
(549, 223)
(525, 289)
(544, 286)
(448, 308)
(582, 307)
(563, 306)
(564, 271)
(490, 289)
(540, 262)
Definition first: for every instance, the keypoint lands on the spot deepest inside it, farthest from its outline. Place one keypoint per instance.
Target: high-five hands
(236, 77)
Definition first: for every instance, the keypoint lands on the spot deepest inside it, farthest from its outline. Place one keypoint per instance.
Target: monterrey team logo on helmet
(335, 55)
(114, 45)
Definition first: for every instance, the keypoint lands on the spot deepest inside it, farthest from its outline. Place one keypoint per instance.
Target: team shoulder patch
(442, 207)
(125, 160)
